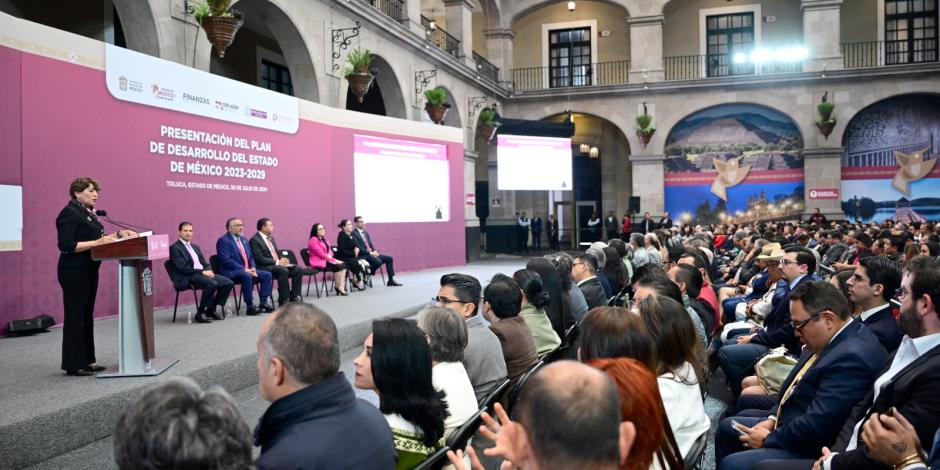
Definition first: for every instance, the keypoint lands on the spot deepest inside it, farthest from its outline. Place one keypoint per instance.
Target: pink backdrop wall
(59, 122)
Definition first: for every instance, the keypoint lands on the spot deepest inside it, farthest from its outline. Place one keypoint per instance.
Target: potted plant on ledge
(826, 122)
(434, 104)
(357, 72)
(219, 20)
(488, 123)
(644, 127)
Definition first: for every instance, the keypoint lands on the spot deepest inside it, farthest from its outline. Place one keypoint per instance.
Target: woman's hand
(105, 240)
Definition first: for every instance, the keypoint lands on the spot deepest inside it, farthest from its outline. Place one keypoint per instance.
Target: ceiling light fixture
(571, 6)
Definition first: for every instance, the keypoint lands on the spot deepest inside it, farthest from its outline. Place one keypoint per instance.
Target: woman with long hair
(840, 279)
(576, 302)
(616, 332)
(680, 372)
(348, 252)
(615, 270)
(558, 308)
(534, 302)
(396, 363)
(321, 256)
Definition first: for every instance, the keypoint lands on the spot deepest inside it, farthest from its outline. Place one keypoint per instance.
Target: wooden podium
(136, 355)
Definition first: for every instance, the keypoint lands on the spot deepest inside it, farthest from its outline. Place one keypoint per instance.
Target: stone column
(413, 8)
(821, 34)
(648, 182)
(822, 169)
(646, 49)
(499, 48)
(459, 14)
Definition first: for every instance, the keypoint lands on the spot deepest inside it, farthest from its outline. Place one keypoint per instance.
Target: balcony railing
(394, 9)
(691, 67)
(440, 38)
(596, 74)
(486, 68)
(881, 53)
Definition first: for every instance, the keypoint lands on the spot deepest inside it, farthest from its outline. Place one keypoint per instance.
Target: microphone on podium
(104, 214)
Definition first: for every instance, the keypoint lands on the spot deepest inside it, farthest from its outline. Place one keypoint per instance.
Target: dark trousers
(737, 361)
(215, 290)
(553, 240)
(730, 454)
(290, 281)
(537, 240)
(244, 279)
(522, 235)
(79, 289)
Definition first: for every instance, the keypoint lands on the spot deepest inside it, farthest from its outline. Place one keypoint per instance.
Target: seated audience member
(930, 248)
(483, 356)
(559, 304)
(564, 264)
(177, 425)
(568, 417)
(290, 278)
(348, 253)
(188, 267)
(678, 367)
(621, 248)
(584, 272)
(396, 363)
(640, 404)
(640, 255)
(609, 332)
(298, 373)
(534, 301)
(597, 249)
(706, 293)
(321, 256)
(502, 301)
(447, 336)
(871, 287)
(840, 280)
(651, 243)
(893, 441)
(863, 244)
(758, 284)
(615, 271)
(737, 360)
(237, 264)
(839, 364)
(370, 253)
(690, 283)
(654, 281)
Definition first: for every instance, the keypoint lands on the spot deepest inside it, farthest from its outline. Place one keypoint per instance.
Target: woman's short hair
(616, 332)
(80, 184)
(447, 333)
(530, 282)
(401, 370)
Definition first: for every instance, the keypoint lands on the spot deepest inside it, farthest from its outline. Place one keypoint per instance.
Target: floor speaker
(30, 326)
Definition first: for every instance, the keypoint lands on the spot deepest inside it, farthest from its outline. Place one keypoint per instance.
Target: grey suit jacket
(483, 357)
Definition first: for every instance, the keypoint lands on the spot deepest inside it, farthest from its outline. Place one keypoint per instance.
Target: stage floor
(46, 414)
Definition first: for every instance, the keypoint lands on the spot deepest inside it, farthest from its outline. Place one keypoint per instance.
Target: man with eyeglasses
(871, 287)
(483, 356)
(839, 364)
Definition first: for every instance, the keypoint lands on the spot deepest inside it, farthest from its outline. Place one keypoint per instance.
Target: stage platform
(46, 414)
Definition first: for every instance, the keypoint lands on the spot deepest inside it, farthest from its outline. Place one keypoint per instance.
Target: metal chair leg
(175, 304)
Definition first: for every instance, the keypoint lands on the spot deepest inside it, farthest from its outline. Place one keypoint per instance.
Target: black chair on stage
(214, 263)
(435, 461)
(520, 383)
(308, 272)
(305, 256)
(486, 403)
(461, 436)
(169, 267)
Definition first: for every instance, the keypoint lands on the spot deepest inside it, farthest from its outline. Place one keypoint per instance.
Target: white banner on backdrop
(11, 212)
(140, 78)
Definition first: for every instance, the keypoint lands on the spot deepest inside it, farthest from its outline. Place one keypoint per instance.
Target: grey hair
(447, 333)
(761, 243)
(740, 234)
(178, 425)
(597, 249)
(305, 339)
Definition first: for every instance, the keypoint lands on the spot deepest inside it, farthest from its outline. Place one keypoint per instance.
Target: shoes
(266, 308)
(392, 282)
(79, 373)
(216, 316)
(297, 300)
(338, 292)
(202, 318)
(95, 368)
(252, 311)
(281, 302)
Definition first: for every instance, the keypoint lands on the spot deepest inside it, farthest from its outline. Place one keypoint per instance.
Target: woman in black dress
(78, 231)
(348, 252)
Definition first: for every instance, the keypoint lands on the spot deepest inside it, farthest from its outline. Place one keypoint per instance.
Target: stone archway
(391, 88)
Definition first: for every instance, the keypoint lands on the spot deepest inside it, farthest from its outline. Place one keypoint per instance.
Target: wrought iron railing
(486, 68)
(881, 53)
(691, 67)
(440, 38)
(596, 74)
(394, 9)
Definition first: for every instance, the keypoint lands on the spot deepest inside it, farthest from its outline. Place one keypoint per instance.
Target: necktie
(270, 242)
(196, 264)
(241, 249)
(796, 381)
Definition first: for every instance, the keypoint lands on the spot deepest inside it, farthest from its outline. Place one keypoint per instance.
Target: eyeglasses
(901, 293)
(787, 262)
(797, 326)
(444, 300)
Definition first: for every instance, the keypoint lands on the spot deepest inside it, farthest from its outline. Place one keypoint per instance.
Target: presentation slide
(11, 212)
(533, 163)
(400, 180)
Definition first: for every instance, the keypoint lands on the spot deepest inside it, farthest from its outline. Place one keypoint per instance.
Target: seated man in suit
(189, 268)
(290, 278)
(237, 264)
(838, 366)
(871, 287)
(584, 272)
(368, 251)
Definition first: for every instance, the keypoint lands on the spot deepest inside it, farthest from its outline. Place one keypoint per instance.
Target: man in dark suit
(552, 232)
(584, 272)
(237, 264)
(368, 251)
(612, 225)
(665, 222)
(909, 384)
(290, 277)
(647, 225)
(871, 287)
(188, 267)
(835, 248)
(536, 225)
(737, 360)
(838, 366)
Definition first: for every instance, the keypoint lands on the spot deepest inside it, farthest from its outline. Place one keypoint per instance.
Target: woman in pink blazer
(321, 256)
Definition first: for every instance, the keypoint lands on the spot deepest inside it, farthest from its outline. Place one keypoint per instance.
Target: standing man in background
(536, 225)
(611, 224)
(522, 232)
(552, 232)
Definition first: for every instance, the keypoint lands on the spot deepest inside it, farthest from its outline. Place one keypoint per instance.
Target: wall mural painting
(889, 167)
(734, 163)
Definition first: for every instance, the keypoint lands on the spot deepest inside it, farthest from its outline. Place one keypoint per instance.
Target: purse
(772, 369)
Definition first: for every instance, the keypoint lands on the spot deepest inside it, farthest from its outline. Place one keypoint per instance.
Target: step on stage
(46, 414)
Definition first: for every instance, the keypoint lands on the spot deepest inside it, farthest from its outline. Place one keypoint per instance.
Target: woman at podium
(78, 231)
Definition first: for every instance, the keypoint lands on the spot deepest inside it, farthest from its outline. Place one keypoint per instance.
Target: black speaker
(31, 326)
(634, 206)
